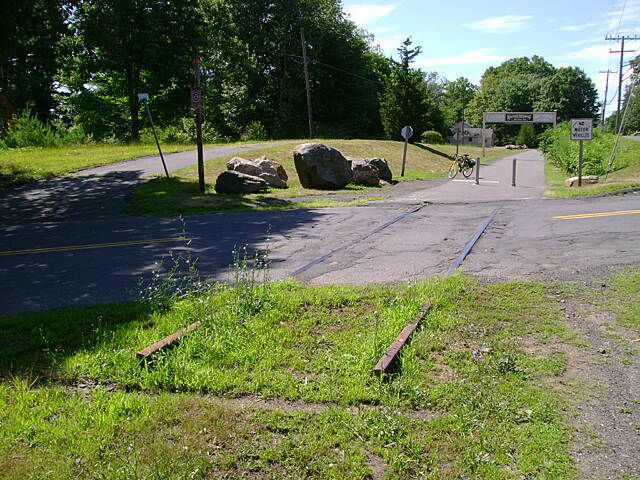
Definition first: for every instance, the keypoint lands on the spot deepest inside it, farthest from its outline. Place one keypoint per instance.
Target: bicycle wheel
(453, 169)
(467, 169)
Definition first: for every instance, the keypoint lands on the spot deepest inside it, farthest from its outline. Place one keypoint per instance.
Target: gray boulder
(232, 181)
(272, 172)
(384, 172)
(242, 165)
(269, 170)
(322, 167)
(364, 172)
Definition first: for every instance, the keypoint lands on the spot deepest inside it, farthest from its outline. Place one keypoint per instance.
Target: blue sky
(464, 37)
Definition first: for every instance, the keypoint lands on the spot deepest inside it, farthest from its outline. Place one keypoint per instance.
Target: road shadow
(433, 150)
(68, 198)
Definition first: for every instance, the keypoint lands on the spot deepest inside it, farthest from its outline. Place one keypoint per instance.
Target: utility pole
(621, 52)
(196, 103)
(604, 102)
(306, 79)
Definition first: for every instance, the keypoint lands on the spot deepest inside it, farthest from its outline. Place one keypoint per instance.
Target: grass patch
(624, 300)
(626, 175)
(20, 165)
(180, 194)
(468, 398)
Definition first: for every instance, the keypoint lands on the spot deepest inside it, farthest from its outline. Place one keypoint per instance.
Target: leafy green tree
(405, 100)
(569, 92)
(457, 96)
(29, 40)
(527, 136)
(123, 48)
(631, 105)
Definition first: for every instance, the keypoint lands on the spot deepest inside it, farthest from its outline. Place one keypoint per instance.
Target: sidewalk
(494, 185)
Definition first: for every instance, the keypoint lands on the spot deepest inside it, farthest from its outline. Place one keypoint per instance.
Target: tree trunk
(133, 77)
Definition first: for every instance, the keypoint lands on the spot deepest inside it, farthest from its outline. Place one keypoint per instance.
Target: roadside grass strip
(472, 395)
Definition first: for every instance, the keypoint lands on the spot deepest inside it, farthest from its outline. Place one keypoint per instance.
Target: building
(8, 112)
(463, 133)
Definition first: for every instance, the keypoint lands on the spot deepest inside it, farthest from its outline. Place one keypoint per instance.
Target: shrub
(30, 131)
(563, 152)
(527, 136)
(254, 131)
(432, 137)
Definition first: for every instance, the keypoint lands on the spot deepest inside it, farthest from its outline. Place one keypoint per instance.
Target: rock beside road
(365, 173)
(233, 181)
(322, 167)
(586, 179)
(268, 170)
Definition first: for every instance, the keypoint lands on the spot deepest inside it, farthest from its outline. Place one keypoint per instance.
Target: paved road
(525, 241)
(98, 192)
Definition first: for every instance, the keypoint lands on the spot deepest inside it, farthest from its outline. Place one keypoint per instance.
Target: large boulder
(232, 181)
(384, 172)
(322, 167)
(243, 165)
(586, 180)
(272, 172)
(364, 173)
(269, 170)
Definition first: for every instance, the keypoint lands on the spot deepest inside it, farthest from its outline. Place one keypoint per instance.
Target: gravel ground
(606, 382)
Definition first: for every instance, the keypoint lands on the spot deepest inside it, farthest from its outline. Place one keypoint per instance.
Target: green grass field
(477, 393)
(625, 175)
(179, 195)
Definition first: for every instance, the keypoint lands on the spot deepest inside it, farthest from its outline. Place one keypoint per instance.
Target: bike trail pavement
(97, 192)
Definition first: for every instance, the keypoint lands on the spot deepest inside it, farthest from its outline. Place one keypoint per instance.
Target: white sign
(581, 128)
(519, 118)
(407, 132)
(143, 96)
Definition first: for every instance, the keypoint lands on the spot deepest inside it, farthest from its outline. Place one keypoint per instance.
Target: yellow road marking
(595, 215)
(95, 245)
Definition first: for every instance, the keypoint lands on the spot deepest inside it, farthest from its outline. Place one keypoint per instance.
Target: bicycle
(462, 163)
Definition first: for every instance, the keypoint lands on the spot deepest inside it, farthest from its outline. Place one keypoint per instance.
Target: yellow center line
(595, 215)
(96, 245)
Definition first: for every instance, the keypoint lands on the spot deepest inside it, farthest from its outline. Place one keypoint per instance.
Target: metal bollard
(478, 172)
(513, 174)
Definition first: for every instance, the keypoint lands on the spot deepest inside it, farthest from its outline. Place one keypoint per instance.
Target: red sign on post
(196, 98)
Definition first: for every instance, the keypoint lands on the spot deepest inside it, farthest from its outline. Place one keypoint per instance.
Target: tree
(123, 48)
(631, 107)
(29, 42)
(405, 100)
(458, 94)
(569, 92)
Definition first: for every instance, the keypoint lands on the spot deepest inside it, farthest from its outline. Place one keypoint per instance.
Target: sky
(465, 37)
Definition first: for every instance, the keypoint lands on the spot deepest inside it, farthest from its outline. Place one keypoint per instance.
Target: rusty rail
(388, 360)
(151, 349)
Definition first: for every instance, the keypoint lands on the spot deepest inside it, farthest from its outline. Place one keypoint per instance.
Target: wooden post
(306, 81)
(404, 156)
(196, 66)
(580, 165)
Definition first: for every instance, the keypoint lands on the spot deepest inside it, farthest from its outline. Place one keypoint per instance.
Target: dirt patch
(606, 443)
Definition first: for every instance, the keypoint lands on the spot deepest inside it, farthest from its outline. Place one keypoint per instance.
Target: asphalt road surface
(414, 233)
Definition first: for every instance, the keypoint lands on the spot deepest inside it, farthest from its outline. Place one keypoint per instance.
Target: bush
(563, 152)
(527, 136)
(30, 131)
(254, 131)
(432, 137)
(183, 133)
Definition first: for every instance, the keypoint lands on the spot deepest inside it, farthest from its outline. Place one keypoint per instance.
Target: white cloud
(391, 43)
(576, 28)
(503, 24)
(584, 42)
(483, 55)
(380, 31)
(599, 53)
(362, 15)
(564, 65)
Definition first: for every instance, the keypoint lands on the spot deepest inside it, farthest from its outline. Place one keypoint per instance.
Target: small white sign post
(581, 130)
(407, 133)
(145, 96)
